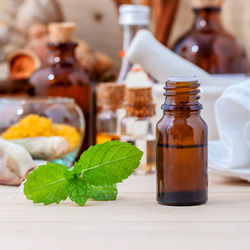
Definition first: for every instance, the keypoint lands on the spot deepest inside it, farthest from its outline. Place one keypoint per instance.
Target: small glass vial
(137, 125)
(181, 150)
(110, 98)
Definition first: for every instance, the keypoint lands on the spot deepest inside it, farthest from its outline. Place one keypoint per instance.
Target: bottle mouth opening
(182, 93)
(179, 85)
(182, 79)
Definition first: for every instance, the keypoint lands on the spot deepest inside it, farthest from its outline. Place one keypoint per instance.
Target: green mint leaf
(77, 190)
(103, 193)
(108, 163)
(46, 184)
(69, 173)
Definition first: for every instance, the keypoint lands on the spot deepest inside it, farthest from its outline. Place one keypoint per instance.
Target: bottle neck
(207, 19)
(111, 107)
(182, 114)
(182, 97)
(62, 53)
(129, 32)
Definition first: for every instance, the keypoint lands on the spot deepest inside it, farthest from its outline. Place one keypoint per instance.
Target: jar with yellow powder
(51, 129)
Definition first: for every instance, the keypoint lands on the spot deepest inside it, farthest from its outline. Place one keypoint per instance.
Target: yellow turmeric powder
(35, 125)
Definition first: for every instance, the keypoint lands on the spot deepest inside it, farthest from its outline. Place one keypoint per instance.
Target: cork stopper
(139, 101)
(61, 32)
(110, 95)
(207, 3)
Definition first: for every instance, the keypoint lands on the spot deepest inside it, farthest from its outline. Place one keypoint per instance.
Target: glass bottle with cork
(208, 45)
(132, 18)
(137, 126)
(181, 146)
(110, 98)
(66, 78)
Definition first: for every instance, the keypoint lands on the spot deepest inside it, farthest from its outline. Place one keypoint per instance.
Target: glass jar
(137, 126)
(181, 146)
(64, 77)
(208, 45)
(110, 99)
(51, 129)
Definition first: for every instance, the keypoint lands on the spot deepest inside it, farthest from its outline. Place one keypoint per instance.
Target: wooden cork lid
(207, 3)
(138, 95)
(139, 101)
(110, 95)
(61, 32)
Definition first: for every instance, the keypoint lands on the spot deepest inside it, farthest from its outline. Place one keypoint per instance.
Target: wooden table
(134, 221)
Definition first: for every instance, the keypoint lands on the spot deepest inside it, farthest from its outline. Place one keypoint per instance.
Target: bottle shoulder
(170, 122)
(211, 40)
(134, 119)
(107, 114)
(217, 53)
(75, 75)
(137, 126)
(179, 130)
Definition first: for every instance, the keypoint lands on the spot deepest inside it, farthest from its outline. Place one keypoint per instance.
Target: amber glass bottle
(181, 150)
(208, 45)
(64, 77)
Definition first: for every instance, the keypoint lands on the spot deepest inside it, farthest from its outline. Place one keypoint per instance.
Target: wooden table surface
(133, 221)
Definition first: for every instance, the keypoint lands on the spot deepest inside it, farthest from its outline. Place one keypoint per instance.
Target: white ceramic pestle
(161, 62)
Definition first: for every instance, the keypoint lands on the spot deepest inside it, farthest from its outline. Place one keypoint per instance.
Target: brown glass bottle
(208, 45)
(181, 150)
(64, 77)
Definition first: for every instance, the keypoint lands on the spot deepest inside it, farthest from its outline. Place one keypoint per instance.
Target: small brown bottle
(66, 78)
(181, 146)
(208, 45)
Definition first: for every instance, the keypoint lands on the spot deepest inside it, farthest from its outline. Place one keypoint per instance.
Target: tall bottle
(208, 45)
(66, 78)
(132, 19)
(181, 146)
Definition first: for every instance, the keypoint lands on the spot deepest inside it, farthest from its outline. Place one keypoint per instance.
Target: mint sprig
(94, 176)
